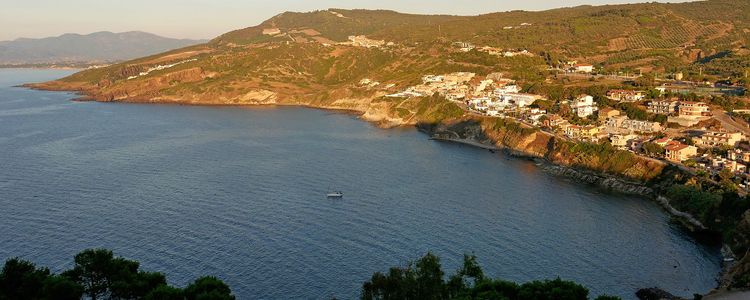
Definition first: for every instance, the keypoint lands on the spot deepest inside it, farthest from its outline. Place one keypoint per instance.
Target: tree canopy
(424, 279)
(98, 274)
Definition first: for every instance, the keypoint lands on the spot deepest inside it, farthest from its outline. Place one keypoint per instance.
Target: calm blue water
(238, 193)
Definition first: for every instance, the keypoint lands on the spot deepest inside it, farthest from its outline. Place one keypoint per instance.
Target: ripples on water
(239, 193)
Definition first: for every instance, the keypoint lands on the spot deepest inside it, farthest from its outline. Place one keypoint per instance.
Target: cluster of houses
(522, 25)
(736, 160)
(626, 95)
(363, 41)
(453, 86)
(466, 47)
(496, 96)
(620, 130)
(500, 97)
(673, 107)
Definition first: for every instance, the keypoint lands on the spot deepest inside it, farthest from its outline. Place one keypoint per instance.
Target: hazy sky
(209, 18)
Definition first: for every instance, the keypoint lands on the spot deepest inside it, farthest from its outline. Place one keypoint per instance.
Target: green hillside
(303, 56)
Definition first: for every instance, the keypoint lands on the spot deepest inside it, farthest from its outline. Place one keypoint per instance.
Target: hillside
(99, 47)
(297, 58)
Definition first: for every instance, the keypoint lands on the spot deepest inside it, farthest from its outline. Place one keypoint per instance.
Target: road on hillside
(729, 123)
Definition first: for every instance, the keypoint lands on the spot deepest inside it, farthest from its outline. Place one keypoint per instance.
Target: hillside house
(739, 155)
(583, 68)
(663, 107)
(519, 100)
(694, 109)
(584, 106)
(716, 165)
(717, 138)
(582, 132)
(622, 141)
(606, 113)
(663, 142)
(620, 124)
(625, 95)
(554, 121)
(678, 152)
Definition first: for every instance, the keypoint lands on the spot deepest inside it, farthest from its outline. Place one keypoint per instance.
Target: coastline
(611, 182)
(686, 221)
(603, 180)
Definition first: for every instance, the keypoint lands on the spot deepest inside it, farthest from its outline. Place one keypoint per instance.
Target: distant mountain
(98, 47)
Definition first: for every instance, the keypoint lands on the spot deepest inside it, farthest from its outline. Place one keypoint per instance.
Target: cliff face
(739, 275)
(531, 142)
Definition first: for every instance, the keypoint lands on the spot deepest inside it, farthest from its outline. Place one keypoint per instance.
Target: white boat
(335, 195)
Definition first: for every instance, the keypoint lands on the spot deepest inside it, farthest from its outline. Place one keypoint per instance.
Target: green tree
(22, 280)
(103, 275)
(165, 292)
(557, 289)
(61, 288)
(429, 277)
(652, 149)
(208, 288)
(423, 280)
(92, 270)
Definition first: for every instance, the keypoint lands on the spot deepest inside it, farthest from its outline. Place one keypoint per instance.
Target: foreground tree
(21, 279)
(206, 288)
(103, 275)
(98, 274)
(424, 280)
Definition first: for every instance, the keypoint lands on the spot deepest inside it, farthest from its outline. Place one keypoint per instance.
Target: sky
(204, 19)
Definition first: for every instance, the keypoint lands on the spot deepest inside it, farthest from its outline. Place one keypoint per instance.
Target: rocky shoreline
(619, 185)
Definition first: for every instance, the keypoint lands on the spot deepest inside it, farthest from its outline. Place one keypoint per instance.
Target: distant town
(670, 122)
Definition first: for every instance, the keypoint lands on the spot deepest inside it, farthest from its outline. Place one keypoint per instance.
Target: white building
(519, 100)
(584, 68)
(618, 124)
(507, 90)
(584, 106)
